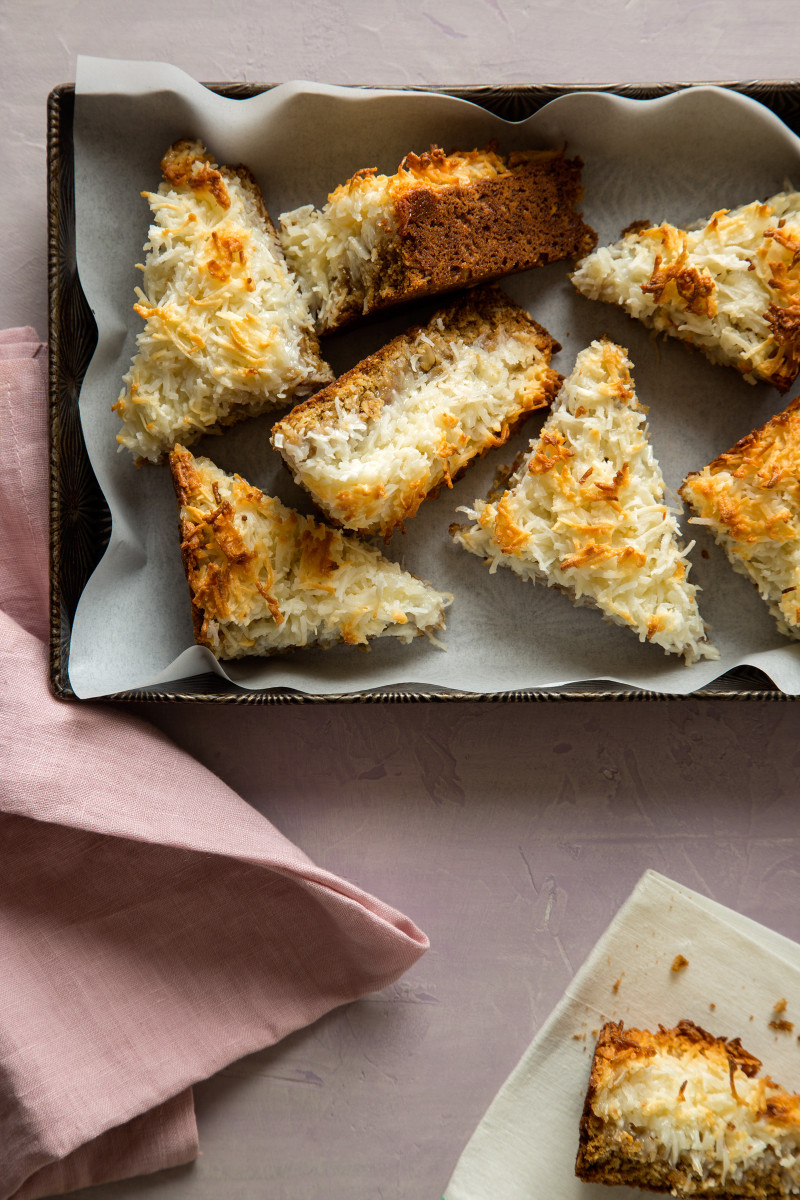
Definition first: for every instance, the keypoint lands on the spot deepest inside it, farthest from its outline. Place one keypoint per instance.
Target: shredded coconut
(268, 579)
(586, 512)
(719, 1126)
(227, 333)
(436, 401)
(730, 287)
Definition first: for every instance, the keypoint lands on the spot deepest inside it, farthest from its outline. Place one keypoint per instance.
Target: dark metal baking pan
(79, 517)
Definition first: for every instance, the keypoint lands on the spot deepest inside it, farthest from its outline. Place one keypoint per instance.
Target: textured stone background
(511, 834)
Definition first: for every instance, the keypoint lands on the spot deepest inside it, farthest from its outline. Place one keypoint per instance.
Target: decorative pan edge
(79, 518)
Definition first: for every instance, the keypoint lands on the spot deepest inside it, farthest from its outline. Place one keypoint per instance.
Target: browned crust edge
(469, 315)
(183, 474)
(450, 236)
(597, 1163)
(359, 389)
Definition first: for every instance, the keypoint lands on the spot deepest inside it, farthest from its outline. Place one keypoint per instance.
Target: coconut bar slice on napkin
(734, 969)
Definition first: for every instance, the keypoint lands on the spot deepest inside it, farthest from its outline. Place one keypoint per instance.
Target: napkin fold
(153, 926)
(736, 972)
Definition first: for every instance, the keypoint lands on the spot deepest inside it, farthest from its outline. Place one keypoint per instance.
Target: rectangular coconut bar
(440, 222)
(227, 334)
(264, 579)
(749, 497)
(731, 287)
(407, 420)
(684, 1112)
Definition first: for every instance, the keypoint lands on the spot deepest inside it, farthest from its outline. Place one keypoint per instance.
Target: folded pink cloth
(153, 926)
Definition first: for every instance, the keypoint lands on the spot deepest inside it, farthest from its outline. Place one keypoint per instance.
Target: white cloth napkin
(738, 970)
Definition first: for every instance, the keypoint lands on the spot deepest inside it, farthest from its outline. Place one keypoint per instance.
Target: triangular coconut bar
(585, 512)
(731, 286)
(749, 499)
(264, 579)
(226, 332)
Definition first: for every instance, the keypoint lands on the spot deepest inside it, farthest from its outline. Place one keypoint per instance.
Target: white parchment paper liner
(680, 158)
(526, 1144)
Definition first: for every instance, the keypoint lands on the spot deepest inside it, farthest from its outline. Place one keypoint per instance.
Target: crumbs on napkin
(779, 1023)
(679, 962)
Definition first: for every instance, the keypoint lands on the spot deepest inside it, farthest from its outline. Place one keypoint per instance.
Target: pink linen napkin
(153, 926)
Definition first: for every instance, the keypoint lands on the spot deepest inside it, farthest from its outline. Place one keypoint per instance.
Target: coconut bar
(748, 497)
(731, 287)
(264, 579)
(226, 334)
(408, 419)
(685, 1112)
(442, 221)
(585, 512)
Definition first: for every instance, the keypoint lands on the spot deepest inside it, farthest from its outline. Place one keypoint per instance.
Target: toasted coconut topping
(730, 287)
(337, 251)
(461, 167)
(685, 1109)
(439, 222)
(585, 511)
(264, 579)
(750, 499)
(409, 419)
(227, 333)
